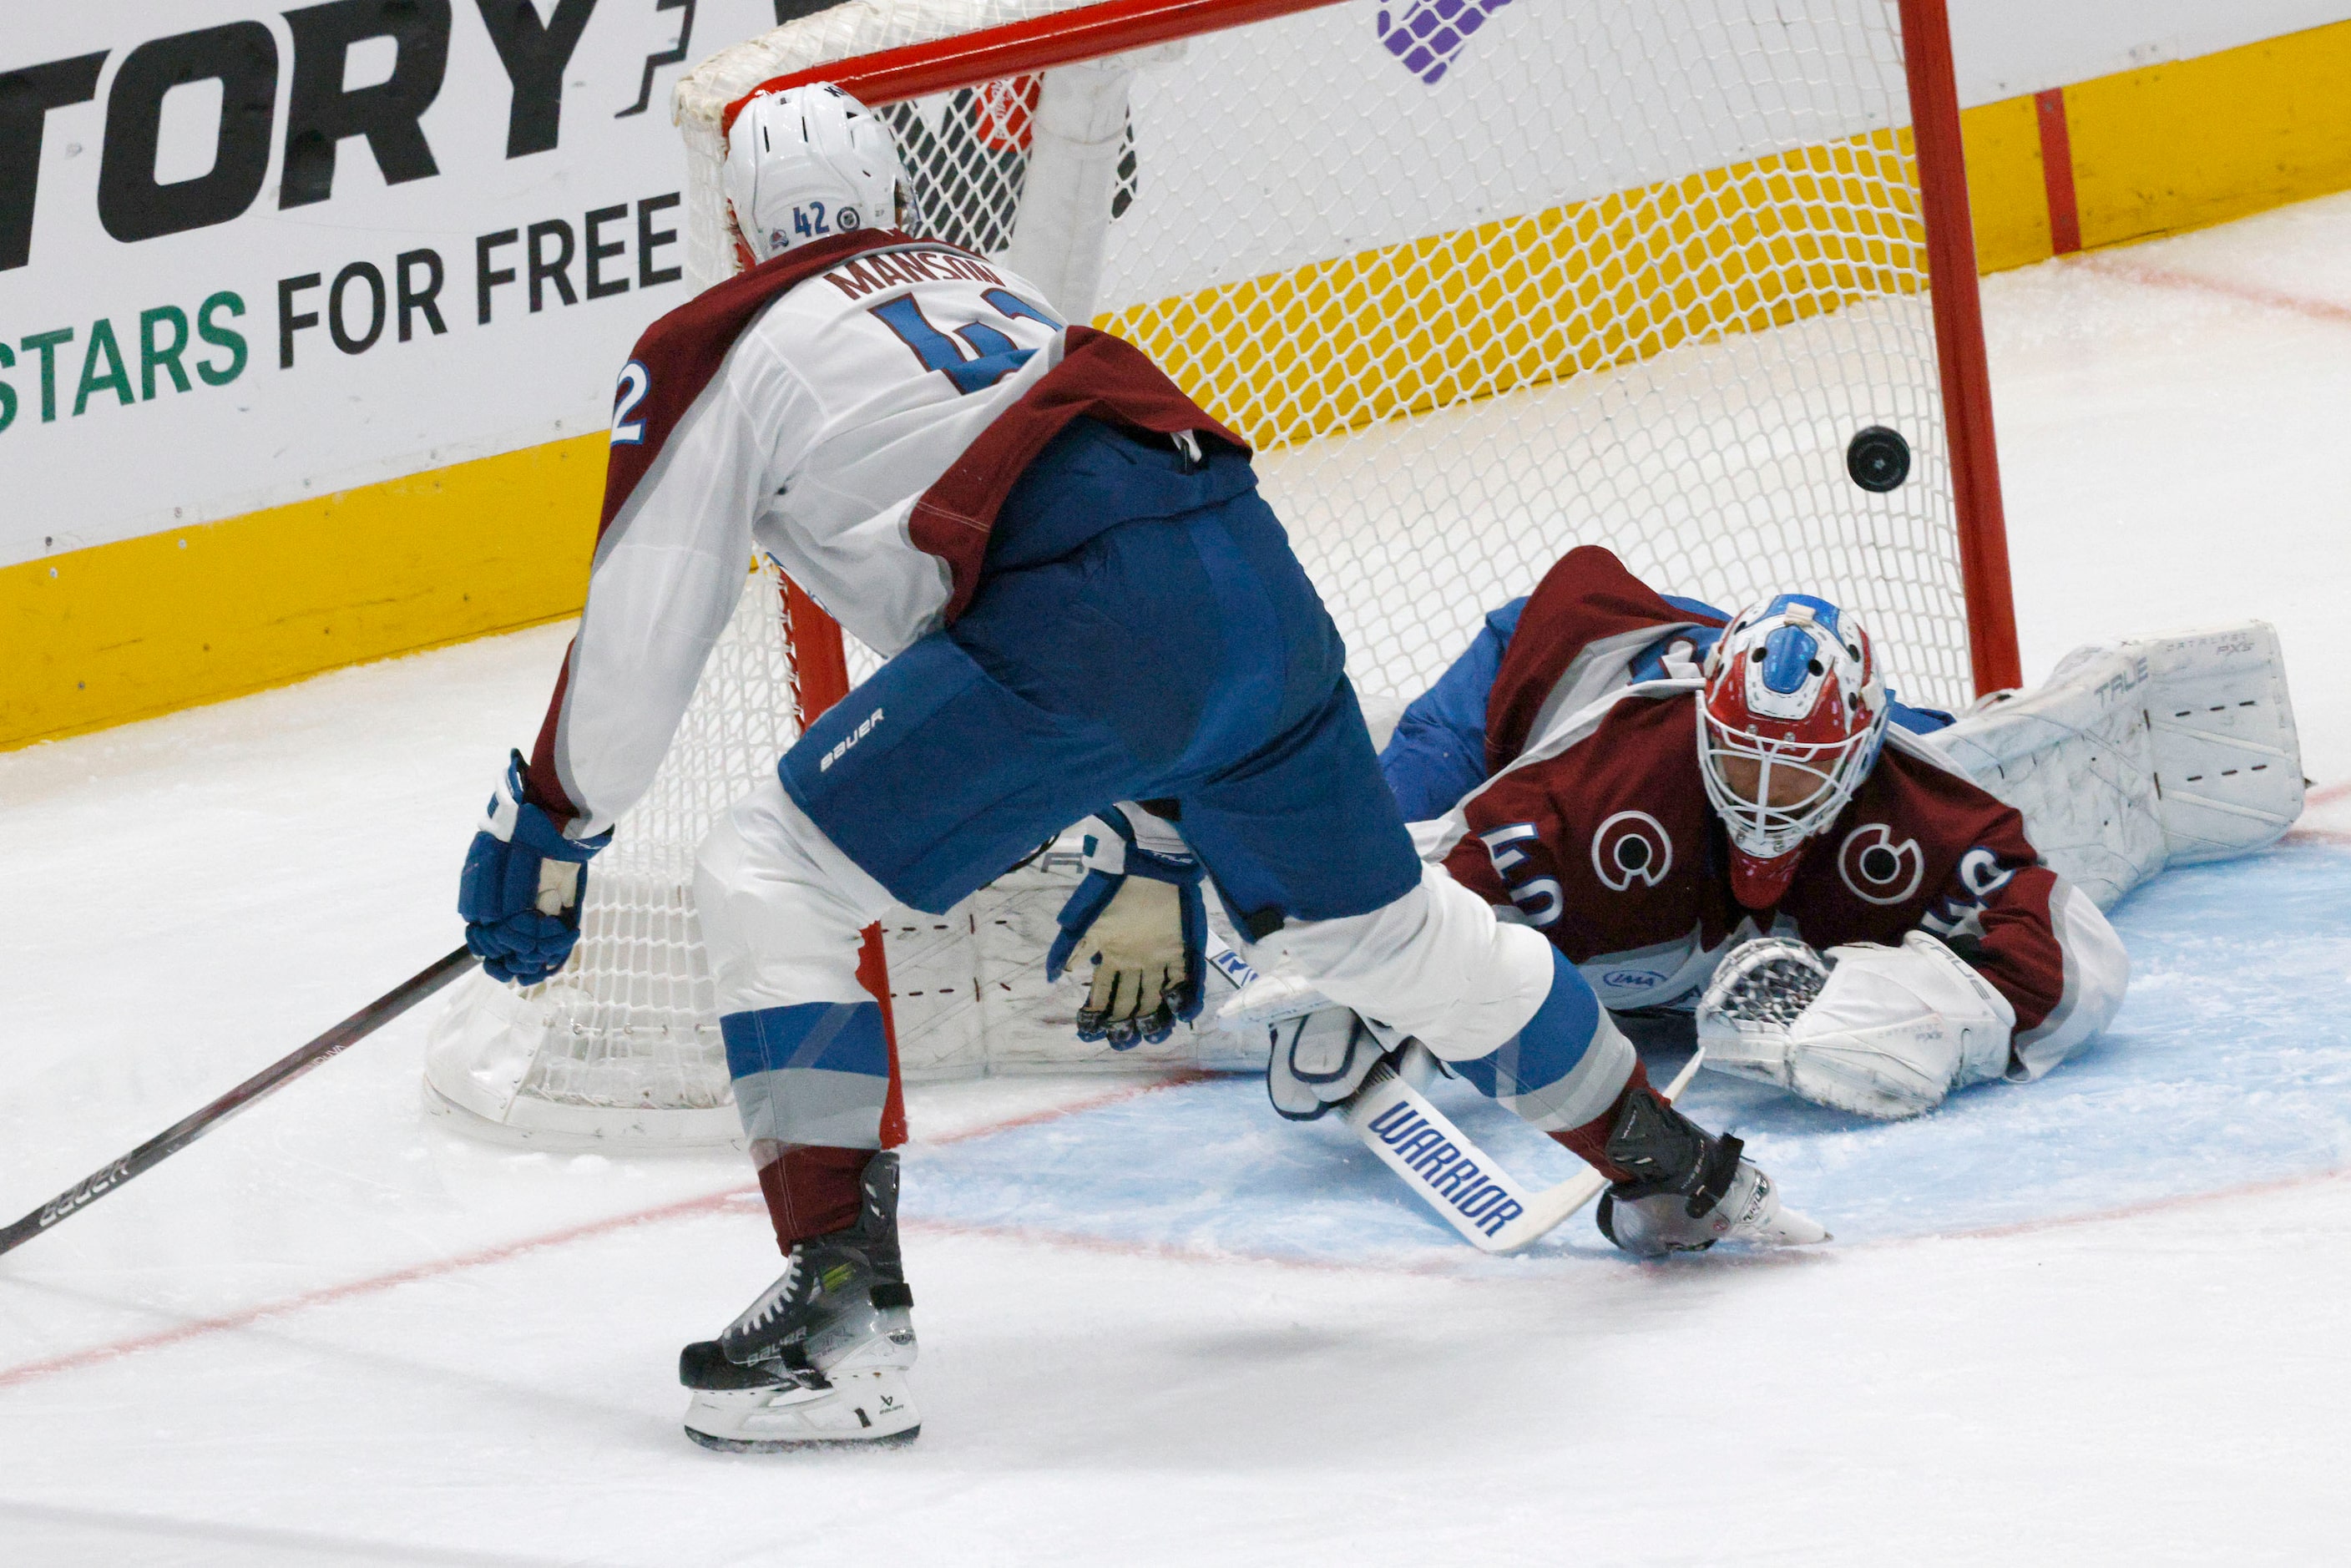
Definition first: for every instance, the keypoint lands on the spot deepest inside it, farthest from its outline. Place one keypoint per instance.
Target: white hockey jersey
(857, 409)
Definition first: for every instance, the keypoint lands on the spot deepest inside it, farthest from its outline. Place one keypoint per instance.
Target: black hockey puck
(1877, 458)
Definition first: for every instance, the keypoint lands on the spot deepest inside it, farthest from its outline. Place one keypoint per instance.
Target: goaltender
(1733, 813)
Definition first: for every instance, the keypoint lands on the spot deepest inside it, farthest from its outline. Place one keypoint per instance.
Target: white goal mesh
(625, 1039)
(1481, 281)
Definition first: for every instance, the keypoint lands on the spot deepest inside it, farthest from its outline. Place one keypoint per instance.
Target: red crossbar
(1084, 33)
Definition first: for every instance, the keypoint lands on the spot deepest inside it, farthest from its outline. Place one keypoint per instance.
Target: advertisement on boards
(251, 256)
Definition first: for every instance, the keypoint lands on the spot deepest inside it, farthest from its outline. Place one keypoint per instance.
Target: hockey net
(1478, 281)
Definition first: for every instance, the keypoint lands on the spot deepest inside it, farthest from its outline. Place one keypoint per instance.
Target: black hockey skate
(1690, 1189)
(821, 1356)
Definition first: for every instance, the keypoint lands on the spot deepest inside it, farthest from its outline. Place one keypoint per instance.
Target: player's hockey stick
(1418, 1141)
(268, 1082)
(1455, 1177)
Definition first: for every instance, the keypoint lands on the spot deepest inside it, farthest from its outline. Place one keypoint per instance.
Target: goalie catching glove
(1139, 919)
(1881, 1031)
(520, 891)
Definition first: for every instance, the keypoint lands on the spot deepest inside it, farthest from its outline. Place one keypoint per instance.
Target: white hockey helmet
(807, 163)
(1790, 723)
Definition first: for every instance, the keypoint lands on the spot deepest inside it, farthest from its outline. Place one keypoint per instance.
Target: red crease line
(2122, 1211)
(710, 1202)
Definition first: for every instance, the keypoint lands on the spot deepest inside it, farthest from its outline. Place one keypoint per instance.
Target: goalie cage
(1478, 281)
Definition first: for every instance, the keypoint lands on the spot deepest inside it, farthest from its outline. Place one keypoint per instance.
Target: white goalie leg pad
(1895, 1030)
(2142, 753)
(1264, 1000)
(2074, 759)
(2225, 754)
(1435, 965)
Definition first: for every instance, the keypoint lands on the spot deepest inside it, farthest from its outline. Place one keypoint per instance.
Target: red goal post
(1117, 26)
(1960, 348)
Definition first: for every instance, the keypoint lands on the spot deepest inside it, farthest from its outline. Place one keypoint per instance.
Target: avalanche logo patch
(1630, 847)
(1876, 870)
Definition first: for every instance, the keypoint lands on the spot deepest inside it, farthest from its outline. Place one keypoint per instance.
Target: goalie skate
(820, 1358)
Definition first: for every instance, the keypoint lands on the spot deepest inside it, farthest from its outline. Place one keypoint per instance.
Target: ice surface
(2099, 1318)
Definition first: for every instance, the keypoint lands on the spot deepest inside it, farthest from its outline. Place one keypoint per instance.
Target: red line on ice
(370, 1286)
(1077, 1241)
(2251, 294)
(705, 1204)
(2122, 1211)
(2307, 831)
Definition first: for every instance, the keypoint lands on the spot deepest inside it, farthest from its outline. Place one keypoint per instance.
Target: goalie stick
(1395, 1120)
(262, 1084)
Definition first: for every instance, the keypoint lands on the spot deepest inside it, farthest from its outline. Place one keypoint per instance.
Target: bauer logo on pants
(859, 733)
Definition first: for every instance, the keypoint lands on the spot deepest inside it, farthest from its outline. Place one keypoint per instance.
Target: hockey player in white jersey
(1085, 601)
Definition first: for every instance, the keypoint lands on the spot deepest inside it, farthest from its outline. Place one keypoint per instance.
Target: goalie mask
(1791, 719)
(808, 164)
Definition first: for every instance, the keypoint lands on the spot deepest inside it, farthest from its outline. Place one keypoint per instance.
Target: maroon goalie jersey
(1593, 823)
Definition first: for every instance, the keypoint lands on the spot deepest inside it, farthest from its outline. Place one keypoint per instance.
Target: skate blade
(856, 1409)
(1789, 1228)
(794, 1445)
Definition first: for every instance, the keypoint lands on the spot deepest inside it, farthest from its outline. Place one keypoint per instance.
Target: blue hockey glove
(520, 891)
(1139, 919)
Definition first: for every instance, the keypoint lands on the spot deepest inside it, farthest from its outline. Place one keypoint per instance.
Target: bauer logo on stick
(86, 1190)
